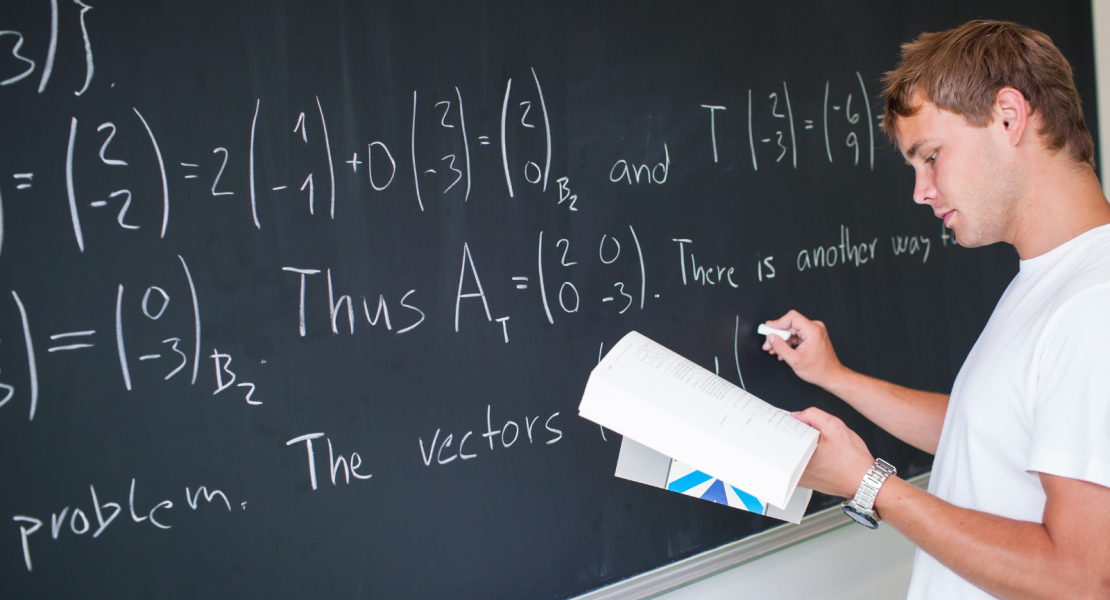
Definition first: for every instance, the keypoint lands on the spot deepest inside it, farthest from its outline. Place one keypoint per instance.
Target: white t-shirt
(1032, 397)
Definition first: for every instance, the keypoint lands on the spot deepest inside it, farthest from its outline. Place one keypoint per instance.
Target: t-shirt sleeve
(1071, 420)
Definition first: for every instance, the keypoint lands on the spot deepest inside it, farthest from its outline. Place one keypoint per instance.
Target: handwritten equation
(458, 151)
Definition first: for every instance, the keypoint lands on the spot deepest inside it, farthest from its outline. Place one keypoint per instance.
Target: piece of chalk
(765, 330)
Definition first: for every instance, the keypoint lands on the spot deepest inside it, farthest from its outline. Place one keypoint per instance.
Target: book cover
(643, 465)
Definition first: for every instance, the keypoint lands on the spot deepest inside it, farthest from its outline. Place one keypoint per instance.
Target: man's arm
(1066, 557)
(912, 416)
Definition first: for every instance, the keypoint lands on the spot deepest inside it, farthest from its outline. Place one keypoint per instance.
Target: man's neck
(1064, 201)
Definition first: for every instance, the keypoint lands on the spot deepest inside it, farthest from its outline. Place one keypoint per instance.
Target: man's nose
(923, 190)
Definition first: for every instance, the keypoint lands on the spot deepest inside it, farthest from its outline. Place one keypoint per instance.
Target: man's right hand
(808, 351)
(912, 416)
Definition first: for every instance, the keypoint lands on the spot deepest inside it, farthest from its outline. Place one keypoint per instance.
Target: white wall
(847, 563)
(1101, 12)
(852, 562)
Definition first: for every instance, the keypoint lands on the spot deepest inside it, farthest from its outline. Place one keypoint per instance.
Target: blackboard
(405, 232)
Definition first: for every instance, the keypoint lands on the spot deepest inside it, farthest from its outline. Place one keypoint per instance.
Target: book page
(686, 391)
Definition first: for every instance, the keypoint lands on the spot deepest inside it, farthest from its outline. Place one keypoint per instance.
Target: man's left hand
(841, 459)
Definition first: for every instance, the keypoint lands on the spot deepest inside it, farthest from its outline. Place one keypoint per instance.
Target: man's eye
(932, 158)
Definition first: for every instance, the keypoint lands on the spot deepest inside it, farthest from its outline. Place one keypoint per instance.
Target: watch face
(859, 517)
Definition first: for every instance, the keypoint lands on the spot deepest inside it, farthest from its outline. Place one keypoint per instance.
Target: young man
(1019, 499)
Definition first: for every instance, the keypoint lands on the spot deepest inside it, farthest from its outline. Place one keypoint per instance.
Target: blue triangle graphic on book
(750, 502)
(689, 481)
(716, 493)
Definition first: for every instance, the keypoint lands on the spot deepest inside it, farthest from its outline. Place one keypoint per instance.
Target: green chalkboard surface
(298, 299)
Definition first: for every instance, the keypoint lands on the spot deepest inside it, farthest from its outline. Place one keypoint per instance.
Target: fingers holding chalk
(763, 329)
(771, 333)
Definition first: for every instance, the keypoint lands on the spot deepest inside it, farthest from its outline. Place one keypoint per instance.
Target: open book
(652, 395)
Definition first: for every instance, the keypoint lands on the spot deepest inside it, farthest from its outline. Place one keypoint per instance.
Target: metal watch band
(872, 481)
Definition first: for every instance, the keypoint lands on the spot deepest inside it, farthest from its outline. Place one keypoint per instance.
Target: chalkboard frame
(722, 558)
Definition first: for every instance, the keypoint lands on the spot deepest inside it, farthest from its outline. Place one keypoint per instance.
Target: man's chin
(973, 241)
(966, 239)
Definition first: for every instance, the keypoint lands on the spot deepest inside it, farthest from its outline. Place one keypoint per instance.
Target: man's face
(964, 173)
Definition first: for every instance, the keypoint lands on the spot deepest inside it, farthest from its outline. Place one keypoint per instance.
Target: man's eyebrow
(915, 147)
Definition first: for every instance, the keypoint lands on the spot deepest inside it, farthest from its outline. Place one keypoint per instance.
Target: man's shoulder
(1083, 264)
(1077, 312)
(1060, 285)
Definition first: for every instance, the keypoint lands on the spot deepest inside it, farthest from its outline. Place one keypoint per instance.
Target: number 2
(774, 107)
(527, 107)
(104, 146)
(218, 175)
(443, 120)
(565, 250)
(123, 210)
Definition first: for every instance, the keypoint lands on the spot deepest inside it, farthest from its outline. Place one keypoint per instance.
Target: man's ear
(1011, 113)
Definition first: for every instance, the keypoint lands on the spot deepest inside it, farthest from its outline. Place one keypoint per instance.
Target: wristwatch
(862, 508)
